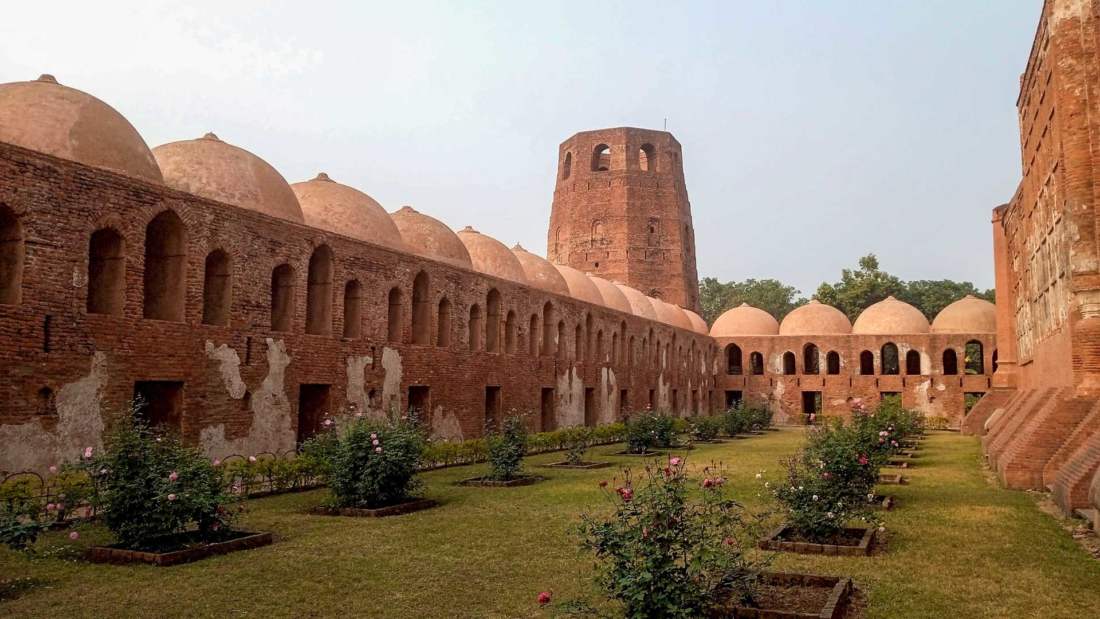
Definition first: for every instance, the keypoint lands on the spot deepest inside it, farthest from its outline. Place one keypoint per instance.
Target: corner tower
(621, 211)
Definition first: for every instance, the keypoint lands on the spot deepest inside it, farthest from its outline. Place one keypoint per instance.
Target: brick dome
(71, 124)
(490, 256)
(889, 317)
(540, 273)
(967, 315)
(639, 303)
(612, 297)
(671, 314)
(580, 287)
(815, 318)
(427, 236)
(338, 208)
(697, 323)
(744, 320)
(217, 170)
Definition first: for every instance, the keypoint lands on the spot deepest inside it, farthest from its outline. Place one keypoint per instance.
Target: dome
(335, 207)
(671, 314)
(490, 256)
(890, 317)
(540, 273)
(71, 124)
(744, 320)
(815, 318)
(698, 325)
(612, 297)
(217, 170)
(967, 315)
(428, 237)
(639, 303)
(580, 287)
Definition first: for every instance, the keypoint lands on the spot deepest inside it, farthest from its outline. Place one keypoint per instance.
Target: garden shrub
(704, 428)
(576, 441)
(20, 512)
(507, 446)
(829, 483)
(151, 486)
(369, 463)
(668, 551)
(647, 430)
(734, 421)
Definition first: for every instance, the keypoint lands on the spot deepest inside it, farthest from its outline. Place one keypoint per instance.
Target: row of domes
(887, 317)
(45, 116)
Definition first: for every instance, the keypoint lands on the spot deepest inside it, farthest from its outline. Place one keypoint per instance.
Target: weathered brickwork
(1041, 432)
(621, 211)
(793, 390)
(243, 387)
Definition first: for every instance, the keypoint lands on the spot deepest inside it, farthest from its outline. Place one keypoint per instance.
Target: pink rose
(863, 460)
(173, 476)
(374, 442)
(373, 436)
(50, 507)
(171, 497)
(544, 598)
(327, 422)
(53, 468)
(217, 462)
(674, 461)
(377, 450)
(708, 482)
(87, 453)
(60, 507)
(251, 458)
(627, 494)
(74, 536)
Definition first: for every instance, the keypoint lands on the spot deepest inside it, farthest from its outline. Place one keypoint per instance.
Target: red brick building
(1041, 423)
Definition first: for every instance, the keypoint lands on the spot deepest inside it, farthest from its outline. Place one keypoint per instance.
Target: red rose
(544, 598)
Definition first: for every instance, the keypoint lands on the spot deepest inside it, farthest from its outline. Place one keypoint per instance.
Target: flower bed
(489, 482)
(798, 596)
(178, 548)
(849, 542)
(883, 502)
(406, 507)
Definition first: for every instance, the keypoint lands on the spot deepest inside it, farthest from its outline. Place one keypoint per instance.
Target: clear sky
(813, 132)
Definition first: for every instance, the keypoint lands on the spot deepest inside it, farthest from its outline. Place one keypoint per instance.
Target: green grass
(957, 547)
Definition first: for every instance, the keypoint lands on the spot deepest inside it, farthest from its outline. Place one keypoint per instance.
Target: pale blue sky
(813, 132)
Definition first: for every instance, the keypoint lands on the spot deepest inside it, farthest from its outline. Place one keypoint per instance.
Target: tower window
(647, 157)
(567, 166)
(601, 158)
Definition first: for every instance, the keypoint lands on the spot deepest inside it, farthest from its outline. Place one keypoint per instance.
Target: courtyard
(956, 546)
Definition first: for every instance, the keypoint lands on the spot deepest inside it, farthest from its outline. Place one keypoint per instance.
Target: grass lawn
(957, 547)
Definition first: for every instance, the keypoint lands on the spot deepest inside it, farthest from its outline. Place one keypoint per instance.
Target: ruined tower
(621, 211)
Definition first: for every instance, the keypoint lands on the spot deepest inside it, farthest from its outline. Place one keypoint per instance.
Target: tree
(931, 296)
(859, 288)
(770, 295)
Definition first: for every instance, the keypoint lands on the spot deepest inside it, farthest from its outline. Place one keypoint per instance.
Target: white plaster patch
(229, 365)
(570, 395)
(609, 388)
(391, 382)
(445, 426)
(272, 429)
(357, 384)
(79, 424)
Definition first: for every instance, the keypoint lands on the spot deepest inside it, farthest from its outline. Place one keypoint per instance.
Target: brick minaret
(621, 211)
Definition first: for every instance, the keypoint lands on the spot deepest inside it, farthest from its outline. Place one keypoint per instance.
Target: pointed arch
(165, 276)
(395, 309)
(474, 326)
(866, 363)
(789, 363)
(353, 309)
(733, 359)
(912, 363)
(975, 357)
(891, 363)
(832, 362)
(756, 363)
(282, 297)
(492, 321)
(217, 289)
(12, 257)
(510, 332)
(950, 362)
(319, 292)
(422, 310)
(443, 323)
(811, 359)
(106, 272)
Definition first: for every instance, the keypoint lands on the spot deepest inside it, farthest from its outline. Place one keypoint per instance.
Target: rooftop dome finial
(321, 176)
(46, 77)
(209, 135)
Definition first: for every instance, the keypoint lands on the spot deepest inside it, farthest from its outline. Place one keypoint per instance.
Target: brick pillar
(1005, 376)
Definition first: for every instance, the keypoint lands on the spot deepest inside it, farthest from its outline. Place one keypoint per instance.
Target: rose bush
(647, 430)
(507, 447)
(668, 551)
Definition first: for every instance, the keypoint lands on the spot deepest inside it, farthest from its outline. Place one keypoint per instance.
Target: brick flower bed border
(834, 607)
(891, 478)
(899, 463)
(408, 507)
(641, 455)
(485, 482)
(885, 503)
(248, 540)
(582, 465)
(866, 542)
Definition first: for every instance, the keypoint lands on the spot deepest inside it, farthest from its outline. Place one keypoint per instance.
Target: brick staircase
(1075, 465)
(975, 420)
(1005, 429)
(1022, 460)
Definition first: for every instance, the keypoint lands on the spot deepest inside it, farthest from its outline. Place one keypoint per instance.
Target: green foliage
(576, 441)
(770, 295)
(450, 453)
(369, 463)
(829, 483)
(931, 296)
(647, 430)
(704, 428)
(20, 512)
(745, 418)
(859, 288)
(151, 485)
(507, 447)
(668, 552)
